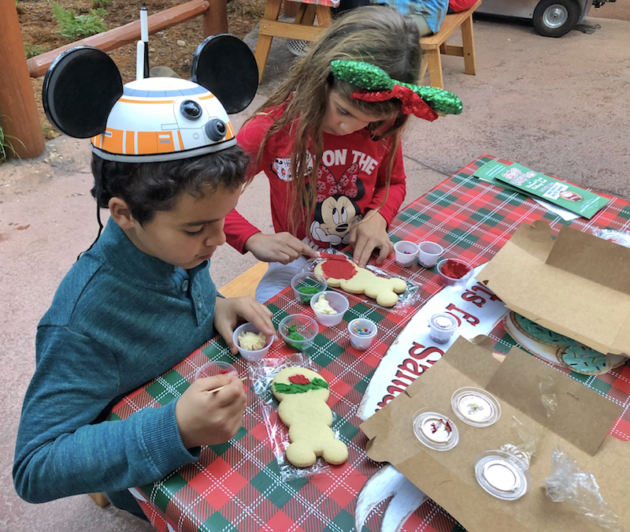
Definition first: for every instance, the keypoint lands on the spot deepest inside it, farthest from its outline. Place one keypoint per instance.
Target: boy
(135, 304)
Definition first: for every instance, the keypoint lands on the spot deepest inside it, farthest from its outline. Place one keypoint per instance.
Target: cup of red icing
(454, 272)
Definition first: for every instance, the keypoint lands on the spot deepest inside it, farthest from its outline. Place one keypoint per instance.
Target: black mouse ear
(226, 66)
(80, 89)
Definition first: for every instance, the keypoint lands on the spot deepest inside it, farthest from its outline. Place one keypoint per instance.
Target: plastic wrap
(407, 301)
(618, 237)
(524, 440)
(262, 375)
(548, 396)
(568, 483)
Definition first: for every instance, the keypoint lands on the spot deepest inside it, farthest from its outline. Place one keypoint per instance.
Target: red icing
(299, 379)
(224, 371)
(336, 269)
(333, 256)
(454, 269)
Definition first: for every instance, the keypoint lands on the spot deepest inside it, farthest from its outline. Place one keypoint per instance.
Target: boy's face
(187, 234)
(343, 117)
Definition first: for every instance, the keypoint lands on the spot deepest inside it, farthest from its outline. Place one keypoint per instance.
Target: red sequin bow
(411, 102)
(328, 186)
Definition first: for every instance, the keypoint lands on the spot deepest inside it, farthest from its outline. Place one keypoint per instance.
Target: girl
(333, 158)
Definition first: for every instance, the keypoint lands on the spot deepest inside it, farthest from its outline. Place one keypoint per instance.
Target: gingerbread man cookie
(303, 394)
(344, 274)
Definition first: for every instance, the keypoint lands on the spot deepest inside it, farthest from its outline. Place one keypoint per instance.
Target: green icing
(540, 333)
(309, 292)
(315, 384)
(584, 359)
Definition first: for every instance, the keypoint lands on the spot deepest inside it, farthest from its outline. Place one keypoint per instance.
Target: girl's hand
(209, 418)
(228, 311)
(369, 234)
(279, 247)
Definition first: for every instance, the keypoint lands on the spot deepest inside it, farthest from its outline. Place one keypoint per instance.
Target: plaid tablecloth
(236, 486)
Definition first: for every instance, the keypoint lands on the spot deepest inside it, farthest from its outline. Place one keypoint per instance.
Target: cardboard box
(577, 285)
(579, 423)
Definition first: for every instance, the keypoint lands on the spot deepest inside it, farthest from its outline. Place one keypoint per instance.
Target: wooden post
(18, 110)
(215, 18)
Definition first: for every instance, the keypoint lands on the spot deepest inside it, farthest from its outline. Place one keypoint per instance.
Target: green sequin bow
(423, 102)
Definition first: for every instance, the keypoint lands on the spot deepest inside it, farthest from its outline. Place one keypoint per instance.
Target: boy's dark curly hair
(151, 187)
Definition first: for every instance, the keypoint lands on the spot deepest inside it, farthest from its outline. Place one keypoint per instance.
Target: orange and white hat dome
(151, 119)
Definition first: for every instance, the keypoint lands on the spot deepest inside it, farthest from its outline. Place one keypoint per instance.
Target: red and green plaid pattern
(236, 486)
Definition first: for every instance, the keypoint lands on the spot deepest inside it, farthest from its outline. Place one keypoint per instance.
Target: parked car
(552, 18)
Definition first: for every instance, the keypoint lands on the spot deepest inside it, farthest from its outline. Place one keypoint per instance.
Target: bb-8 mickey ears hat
(151, 119)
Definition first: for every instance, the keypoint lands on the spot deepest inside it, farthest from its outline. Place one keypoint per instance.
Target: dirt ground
(173, 47)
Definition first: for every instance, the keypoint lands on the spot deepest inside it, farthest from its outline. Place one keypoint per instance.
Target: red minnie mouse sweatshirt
(351, 181)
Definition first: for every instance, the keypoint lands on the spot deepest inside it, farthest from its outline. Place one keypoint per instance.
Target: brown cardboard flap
(579, 415)
(577, 285)
(586, 256)
(448, 477)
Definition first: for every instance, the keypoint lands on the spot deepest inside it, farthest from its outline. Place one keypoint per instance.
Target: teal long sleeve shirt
(118, 319)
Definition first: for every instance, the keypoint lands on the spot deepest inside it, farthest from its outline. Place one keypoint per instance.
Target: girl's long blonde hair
(377, 35)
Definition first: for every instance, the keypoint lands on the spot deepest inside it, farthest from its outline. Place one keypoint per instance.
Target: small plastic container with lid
(338, 302)
(502, 475)
(246, 353)
(405, 253)
(442, 327)
(429, 253)
(362, 333)
(475, 406)
(434, 430)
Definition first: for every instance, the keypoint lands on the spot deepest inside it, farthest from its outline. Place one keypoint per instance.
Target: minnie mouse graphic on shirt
(337, 210)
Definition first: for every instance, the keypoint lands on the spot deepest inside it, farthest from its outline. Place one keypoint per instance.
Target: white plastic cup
(211, 369)
(252, 356)
(306, 327)
(405, 252)
(362, 333)
(441, 327)
(337, 301)
(429, 253)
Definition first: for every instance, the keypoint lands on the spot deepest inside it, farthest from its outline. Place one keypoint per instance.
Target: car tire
(555, 18)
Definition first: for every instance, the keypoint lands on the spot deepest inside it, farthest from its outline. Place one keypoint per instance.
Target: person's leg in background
(423, 27)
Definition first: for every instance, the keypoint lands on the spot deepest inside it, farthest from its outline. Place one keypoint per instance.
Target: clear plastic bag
(568, 483)
(262, 375)
(407, 301)
(618, 237)
(525, 436)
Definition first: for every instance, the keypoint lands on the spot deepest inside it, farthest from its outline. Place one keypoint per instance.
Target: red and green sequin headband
(377, 86)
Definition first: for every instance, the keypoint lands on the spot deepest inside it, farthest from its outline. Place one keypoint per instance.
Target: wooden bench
(244, 285)
(433, 46)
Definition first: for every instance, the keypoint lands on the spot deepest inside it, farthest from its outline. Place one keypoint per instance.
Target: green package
(518, 178)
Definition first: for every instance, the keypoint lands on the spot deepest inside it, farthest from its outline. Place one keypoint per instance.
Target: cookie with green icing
(539, 333)
(585, 360)
(303, 394)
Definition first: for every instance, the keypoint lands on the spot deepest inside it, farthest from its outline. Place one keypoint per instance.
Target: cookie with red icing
(303, 394)
(349, 277)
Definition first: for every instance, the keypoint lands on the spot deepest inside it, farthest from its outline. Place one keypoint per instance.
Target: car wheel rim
(555, 16)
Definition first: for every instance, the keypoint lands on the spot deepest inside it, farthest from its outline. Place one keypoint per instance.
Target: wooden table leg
(468, 40)
(272, 10)
(435, 68)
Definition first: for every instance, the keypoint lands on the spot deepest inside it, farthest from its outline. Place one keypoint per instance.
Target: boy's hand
(228, 311)
(209, 418)
(279, 247)
(368, 235)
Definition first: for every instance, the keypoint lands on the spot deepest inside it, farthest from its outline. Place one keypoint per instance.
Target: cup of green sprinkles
(306, 285)
(298, 331)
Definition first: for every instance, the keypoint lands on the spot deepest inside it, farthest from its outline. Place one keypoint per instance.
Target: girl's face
(187, 234)
(342, 117)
